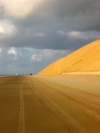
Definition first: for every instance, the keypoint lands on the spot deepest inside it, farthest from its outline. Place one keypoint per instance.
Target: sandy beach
(62, 104)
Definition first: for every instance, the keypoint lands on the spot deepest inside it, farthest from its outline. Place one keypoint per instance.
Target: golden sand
(50, 104)
(85, 59)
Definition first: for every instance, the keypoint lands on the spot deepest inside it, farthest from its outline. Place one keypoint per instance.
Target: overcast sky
(34, 33)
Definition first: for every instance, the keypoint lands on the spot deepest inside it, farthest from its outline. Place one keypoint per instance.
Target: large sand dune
(85, 59)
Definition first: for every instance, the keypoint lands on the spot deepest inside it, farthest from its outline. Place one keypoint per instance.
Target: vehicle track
(21, 126)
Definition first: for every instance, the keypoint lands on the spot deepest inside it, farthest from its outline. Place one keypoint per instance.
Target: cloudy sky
(34, 33)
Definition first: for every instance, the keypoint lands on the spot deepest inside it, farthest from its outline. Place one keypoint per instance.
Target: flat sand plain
(50, 104)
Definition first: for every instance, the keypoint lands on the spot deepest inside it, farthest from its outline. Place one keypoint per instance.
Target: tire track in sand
(21, 126)
(58, 111)
(68, 98)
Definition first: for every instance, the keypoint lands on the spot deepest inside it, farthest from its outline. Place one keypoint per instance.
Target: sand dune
(85, 59)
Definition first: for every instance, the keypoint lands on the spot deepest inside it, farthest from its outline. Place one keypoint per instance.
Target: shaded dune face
(85, 59)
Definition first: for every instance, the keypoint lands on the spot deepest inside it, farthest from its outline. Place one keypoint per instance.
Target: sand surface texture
(85, 59)
(37, 104)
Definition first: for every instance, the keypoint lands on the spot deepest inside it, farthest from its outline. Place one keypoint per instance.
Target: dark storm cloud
(81, 14)
(39, 29)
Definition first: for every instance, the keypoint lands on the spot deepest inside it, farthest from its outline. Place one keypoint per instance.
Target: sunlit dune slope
(84, 59)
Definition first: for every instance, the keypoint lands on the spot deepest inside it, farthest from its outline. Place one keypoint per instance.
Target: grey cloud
(52, 16)
(22, 62)
(36, 33)
(1, 11)
(81, 14)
